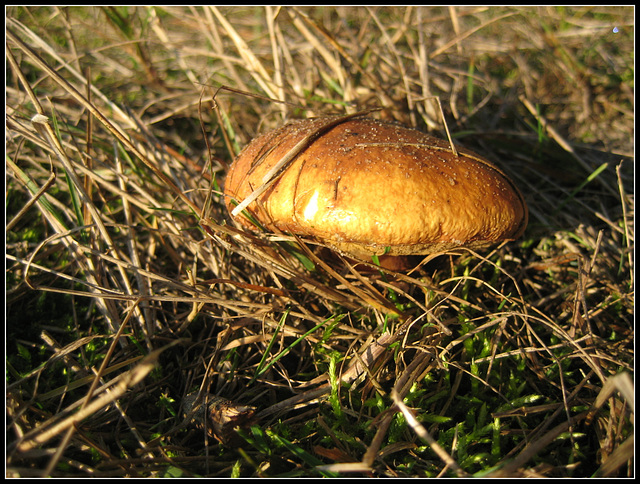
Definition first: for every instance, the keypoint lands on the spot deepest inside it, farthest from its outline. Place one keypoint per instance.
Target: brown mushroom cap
(365, 187)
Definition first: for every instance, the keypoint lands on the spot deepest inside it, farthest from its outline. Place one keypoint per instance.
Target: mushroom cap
(366, 187)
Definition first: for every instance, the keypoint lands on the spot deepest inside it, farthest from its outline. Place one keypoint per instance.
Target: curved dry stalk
(426, 436)
(108, 124)
(119, 386)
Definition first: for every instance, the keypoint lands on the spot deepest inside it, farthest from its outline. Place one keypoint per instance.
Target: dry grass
(128, 288)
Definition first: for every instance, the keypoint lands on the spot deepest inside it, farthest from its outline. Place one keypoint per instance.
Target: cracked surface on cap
(365, 187)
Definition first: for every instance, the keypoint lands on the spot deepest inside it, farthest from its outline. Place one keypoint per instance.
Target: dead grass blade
(255, 66)
(367, 357)
(272, 175)
(108, 124)
(426, 436)
(119, 386)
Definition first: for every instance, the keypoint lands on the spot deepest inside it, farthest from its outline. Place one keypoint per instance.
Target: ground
(134, 301)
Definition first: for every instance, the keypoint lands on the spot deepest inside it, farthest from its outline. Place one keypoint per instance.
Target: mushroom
(365, 187)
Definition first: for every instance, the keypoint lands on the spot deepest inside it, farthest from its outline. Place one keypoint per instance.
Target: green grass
(509, 363)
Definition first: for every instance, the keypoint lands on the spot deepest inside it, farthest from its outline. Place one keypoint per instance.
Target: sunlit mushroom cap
(365, 187)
